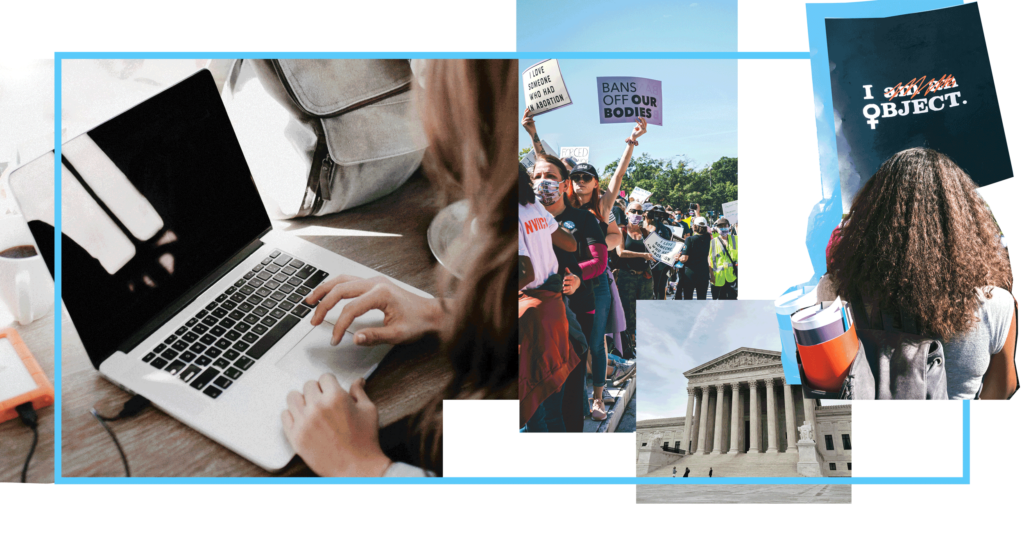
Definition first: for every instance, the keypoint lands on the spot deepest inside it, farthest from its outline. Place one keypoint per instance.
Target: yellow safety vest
(723, 271)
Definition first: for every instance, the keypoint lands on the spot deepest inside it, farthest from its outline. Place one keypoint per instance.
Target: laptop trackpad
(314, 356)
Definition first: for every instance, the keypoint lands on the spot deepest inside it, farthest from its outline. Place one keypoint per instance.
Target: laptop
(179, 287)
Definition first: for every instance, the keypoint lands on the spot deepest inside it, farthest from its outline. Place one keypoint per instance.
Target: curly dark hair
(920, 239)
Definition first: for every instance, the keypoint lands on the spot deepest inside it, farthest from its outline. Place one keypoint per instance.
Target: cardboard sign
(663, 250)
(917, 80)
(639, 195)
(622, 99)
(544, 88)
(731, 211)
(580, 154)
(530, 158)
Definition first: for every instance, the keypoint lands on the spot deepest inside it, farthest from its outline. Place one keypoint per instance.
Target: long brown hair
(920, 238)
(594, 205)
(469, 115)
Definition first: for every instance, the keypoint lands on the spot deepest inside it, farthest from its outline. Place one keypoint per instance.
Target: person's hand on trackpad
(334, 431)
(407, 317)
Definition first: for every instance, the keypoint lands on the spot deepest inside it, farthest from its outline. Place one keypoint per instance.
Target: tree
(677, 183)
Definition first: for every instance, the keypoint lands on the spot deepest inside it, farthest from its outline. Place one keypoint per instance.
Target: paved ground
(628, 422)
(743, 494)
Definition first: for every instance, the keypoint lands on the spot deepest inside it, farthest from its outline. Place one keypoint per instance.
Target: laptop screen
(154, 200)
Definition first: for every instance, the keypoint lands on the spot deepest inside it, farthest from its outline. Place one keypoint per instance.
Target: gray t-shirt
(968, 355)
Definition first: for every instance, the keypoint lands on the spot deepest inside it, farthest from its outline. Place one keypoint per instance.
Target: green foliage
(676, 183)
(523, 152)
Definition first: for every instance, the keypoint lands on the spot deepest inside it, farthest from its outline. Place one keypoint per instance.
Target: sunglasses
(581, 179)
(634, 211)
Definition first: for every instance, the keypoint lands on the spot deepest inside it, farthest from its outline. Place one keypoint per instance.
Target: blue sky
(645, 25)
(672, 337)
(699, 115)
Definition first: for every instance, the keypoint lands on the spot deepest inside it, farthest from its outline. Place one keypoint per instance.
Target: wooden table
(16, 438)
(158, 445)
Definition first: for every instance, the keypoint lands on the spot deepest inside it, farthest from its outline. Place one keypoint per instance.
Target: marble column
(702, 427)
(719, 415)
(809, 406)
(755, 419)
(773, 429)
(688, 425)
(734, 440)
(787, 398)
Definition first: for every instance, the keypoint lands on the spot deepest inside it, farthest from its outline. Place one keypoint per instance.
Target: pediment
(739, 359)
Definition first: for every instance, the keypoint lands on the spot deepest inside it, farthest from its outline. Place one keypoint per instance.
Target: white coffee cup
(25, 283)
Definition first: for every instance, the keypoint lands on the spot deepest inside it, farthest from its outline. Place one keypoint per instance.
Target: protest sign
(730, 211)
(622, 99)
(530, 158)
(917, 80)
(544, 88)
(639, 195)
(580, 154)
(663, 250)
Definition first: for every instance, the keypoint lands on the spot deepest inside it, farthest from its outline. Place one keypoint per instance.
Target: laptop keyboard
(214, 348)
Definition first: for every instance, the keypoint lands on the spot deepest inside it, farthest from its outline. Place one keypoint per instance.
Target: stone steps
(735, 465)
(622, 396)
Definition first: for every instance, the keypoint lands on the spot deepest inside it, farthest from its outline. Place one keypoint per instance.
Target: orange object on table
(826, 364)
(40, 397)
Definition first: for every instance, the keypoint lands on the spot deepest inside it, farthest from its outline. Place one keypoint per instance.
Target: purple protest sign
(622, 99)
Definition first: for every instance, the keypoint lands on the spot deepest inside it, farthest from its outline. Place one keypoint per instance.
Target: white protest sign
(639, 195)
(731, 211)
(663, 250)
(580, 154)
(544, 88)
(530, 158)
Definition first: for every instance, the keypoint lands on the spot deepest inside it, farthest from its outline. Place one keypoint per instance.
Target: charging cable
(30, 419)
(132, 407)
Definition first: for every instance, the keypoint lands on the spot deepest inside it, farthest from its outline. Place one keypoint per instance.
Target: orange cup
(826, 364)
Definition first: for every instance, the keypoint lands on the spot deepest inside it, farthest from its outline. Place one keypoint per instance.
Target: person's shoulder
(1001, 301)
(1000, 296)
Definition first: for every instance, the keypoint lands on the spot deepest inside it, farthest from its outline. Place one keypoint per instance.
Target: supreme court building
(742, 418)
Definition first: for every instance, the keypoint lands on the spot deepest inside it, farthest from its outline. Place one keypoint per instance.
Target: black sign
(917, 80)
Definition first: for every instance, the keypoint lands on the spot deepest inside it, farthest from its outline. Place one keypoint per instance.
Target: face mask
(547, 191)
(635, 219)
(723, 231)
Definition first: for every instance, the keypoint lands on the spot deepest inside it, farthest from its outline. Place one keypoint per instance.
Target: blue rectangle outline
(964, 479)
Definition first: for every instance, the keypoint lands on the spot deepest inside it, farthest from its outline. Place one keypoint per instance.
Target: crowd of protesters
(583, 264)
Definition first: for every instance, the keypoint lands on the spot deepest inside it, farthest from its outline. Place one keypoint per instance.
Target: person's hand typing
(407, 317)
(335, 432)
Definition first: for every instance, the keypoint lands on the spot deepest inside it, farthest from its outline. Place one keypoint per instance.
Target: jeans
(574, 392)
(548, 417)
(602, 305)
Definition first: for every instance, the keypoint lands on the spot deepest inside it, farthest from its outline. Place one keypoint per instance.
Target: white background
(779, 181)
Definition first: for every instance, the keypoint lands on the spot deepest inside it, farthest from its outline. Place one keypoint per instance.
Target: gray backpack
(894, 360)
(354, 124)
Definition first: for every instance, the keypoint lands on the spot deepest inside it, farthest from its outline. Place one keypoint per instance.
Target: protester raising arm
(608, 199)
(614, 237)
(531, 129)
